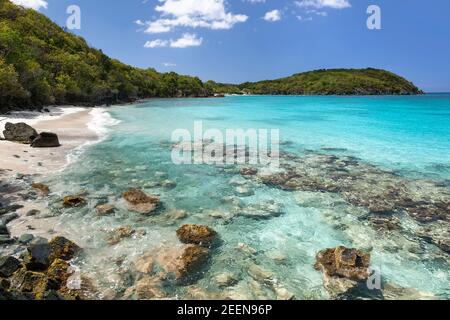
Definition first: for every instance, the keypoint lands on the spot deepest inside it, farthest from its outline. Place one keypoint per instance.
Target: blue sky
(247, 40)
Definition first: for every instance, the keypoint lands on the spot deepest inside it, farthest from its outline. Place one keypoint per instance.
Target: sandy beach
(76, 127)
(71, 124)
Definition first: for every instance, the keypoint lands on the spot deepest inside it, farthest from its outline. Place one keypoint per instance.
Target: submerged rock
(19, 132)
(184, 263)
(73, 201)
(46, 140)
(226, 279)
(196, 234)
(105, 209)
(145, 264)
(249, 171)
(42, 188)
(139, 201)
(117, 235)
(177, 214)
(149, 288)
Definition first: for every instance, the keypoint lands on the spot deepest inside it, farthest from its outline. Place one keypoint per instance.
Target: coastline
(77, 128)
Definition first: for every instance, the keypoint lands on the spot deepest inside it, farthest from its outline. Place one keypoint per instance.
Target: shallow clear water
(408, 135)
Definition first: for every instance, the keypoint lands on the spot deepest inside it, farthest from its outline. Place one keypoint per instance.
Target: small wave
(101, 124)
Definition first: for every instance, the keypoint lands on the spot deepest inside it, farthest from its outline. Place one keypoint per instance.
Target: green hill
(327, 82)
(41, 64)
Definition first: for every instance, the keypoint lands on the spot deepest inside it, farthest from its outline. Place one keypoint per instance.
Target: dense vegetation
(41, 64)
(326, 82)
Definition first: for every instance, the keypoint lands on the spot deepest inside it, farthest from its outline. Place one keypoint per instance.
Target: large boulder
(41, 254)
(139, 201)
(196, 234)
(19, 132)
(46, 140)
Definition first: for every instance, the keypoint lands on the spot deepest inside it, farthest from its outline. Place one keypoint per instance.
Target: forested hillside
(41, 64)
(327, 82)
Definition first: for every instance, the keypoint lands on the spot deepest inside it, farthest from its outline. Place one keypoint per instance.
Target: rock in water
(343, 268)
(105, 209)
(119, 234)
(73, 201)
(149, 288)
(342, 262)
(42, 188)
(184, 263)
(59, 272)
(144, 264)
(64, 249)
(46, 140)
(192, 259)
(196, 234)
(139, 201)
(8, 265)
(19, 132)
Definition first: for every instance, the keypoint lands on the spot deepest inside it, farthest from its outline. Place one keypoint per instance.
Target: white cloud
(254, 1)
(272, 16)
(169, 64)
(158, 43)
(187, 40)
(211, 14)
(34, 4)
(334, 4)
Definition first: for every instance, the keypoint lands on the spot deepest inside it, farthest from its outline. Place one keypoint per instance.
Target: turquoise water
(407, 136)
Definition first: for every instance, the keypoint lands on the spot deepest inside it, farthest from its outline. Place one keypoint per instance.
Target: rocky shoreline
(47, 266)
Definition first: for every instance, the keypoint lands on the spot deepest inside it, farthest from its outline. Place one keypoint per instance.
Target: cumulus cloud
(318, 4)
(187, 40)
(211, 14)
(272, 16)
(33, 4)
(158, 43)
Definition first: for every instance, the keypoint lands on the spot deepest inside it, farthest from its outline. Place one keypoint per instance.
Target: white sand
(74, 126)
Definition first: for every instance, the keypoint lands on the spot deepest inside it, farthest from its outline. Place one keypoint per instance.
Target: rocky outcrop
(42, 274)
(41, 253)
(343, 268)
(196, 234)
(139, 201)
(19, 132)
(8, 265)
(46, 140)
